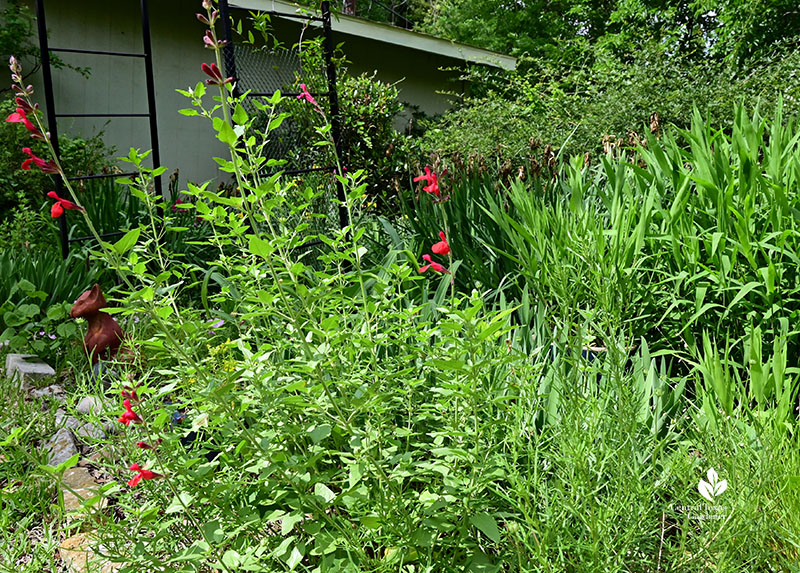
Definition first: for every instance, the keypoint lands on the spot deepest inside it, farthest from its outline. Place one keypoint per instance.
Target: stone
(19, 367)
(91, 430)
(63, 420)
(77, 554)
(61, 447)
(105, 455)
(92, 404)
(54, 391)
(82, 486)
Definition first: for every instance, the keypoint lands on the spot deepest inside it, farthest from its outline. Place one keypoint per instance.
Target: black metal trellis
(52, 116)
(331, 94)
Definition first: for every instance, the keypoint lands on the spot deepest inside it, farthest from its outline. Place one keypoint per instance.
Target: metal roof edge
(392, 35)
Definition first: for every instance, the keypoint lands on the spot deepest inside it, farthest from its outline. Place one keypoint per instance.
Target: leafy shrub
(613, 103)
(369, 110)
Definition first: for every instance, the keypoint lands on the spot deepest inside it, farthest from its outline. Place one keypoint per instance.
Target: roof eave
(392, 35)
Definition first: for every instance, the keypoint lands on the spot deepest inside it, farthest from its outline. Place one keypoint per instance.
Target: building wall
(117, 85)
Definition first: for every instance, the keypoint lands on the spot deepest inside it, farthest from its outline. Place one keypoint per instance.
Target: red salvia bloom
(45, 166)
(143, 474)
(129, 415)
(215, 74)
(20, 116)
(58, 207)
(304, 94)
(146, 446)
(442, 247)
(432, 265)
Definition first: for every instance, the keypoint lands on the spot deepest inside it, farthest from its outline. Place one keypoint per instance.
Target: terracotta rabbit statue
(104, 335)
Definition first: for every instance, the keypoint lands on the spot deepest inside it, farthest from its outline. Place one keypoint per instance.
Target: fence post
(228, 54)
(336, 126)
(151, 96)
(47, 79)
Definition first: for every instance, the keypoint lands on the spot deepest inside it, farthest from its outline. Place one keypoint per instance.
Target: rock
(105, 455)
(84, 486)
(63, 420)
(54, 391)
(27, 371)
(61, 447)
(92, 404)
(90, 430)
(77, 554)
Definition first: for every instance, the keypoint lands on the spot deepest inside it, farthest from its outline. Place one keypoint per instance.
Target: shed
(117, 84)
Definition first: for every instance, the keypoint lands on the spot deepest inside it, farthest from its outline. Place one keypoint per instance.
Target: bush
(613, 103)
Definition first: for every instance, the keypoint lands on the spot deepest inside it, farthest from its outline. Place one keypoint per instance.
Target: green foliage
(16, 31)
(339, 411)
(34, 314)
(614, 104)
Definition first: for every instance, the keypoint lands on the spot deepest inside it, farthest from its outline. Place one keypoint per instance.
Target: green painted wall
(188, 143)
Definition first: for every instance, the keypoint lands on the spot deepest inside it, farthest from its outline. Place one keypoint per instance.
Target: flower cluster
(432, 182)
(25, 113)
(442, 247)
(131, 397)
(213, 72)
(45, 166)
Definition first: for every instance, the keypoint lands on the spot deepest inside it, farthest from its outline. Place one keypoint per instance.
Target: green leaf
(320, 433)
(324, 492)
(239, 114)
(127, 242)
(260, 247)
(288, 523)
(213, 531)
(487, 525)
(225, 133)
(178, 503)
(295, 557)
(26, 286)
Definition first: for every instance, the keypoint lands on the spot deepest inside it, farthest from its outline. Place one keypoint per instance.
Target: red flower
(304, 94)
(216, 76)
(435, 266)
(442, 247)
(143, 474)
(20, 116)
(58, 207)
(431, 180)
(129, 415)
(146, 446)
(45, 166)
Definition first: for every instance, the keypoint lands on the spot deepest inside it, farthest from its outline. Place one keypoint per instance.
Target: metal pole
(333, 96)
(151, 94)
(228, 54)
(52, 126)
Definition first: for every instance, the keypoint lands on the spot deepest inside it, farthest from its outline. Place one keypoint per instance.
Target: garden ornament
(104, 335)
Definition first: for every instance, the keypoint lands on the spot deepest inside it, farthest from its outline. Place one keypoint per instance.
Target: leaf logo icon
(712, 488)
